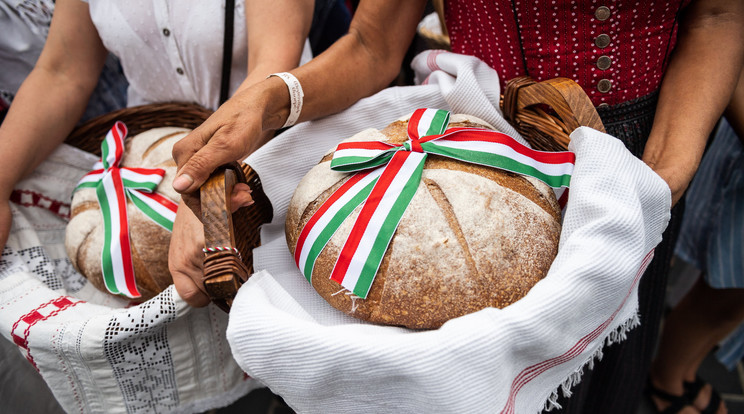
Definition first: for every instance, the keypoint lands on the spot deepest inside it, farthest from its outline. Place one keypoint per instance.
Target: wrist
(276, 103)
(296, 96)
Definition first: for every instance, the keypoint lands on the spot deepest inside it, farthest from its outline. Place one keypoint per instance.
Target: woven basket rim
(88, 136)
(430, 34)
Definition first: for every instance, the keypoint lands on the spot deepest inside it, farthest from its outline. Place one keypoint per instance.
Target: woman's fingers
(200, 153)
(185, 257)
(230, 134)
(241, 196)
(189, 290)
(6, 218)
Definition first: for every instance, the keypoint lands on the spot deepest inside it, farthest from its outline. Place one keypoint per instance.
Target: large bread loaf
(149, 242)
(472, 237)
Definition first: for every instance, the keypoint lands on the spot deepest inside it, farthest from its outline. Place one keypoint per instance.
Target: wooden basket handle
(224, 270)
(230, 238)
(523, 103)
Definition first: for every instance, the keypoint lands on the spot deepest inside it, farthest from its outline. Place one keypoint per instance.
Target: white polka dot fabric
(171, 51)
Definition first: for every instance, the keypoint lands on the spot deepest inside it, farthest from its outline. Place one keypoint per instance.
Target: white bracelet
(295, 96)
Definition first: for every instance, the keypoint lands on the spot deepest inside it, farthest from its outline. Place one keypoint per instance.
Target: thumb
(195, 167)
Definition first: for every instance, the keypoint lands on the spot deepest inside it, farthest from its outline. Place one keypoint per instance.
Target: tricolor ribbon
(113, 184)
(387, 179)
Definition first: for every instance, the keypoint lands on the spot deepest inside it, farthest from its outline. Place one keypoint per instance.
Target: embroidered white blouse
(171, 51)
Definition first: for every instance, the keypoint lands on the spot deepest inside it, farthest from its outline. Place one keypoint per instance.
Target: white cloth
(182, 64)
(512, 360)
(96, 354)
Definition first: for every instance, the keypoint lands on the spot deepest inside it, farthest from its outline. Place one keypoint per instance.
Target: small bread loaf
(149, 242)
(472, 237)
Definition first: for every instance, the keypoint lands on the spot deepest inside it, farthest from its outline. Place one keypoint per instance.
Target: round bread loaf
(149, 241)
(472, 237)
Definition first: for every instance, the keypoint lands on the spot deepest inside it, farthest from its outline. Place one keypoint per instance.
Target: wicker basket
(545, 113)
(433, 36)
(433, 29)
(89, 135)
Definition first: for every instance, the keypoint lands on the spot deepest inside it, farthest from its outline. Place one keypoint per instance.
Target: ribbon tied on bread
(113, 185)
(388, 175)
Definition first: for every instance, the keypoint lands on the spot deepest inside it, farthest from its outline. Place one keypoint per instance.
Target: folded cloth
(495, 360)
(95, 353)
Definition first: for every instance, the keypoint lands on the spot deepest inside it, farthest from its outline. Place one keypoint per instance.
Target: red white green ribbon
(387, 189)
(113, 184)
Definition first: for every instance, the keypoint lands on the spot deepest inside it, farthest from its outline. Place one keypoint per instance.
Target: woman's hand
(676, 174)
(230, 134)
(276, 34)
(359, 64)
(185, 255)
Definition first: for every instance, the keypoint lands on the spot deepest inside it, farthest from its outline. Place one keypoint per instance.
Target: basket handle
(224, 270)
(439, 9)
(523, 99)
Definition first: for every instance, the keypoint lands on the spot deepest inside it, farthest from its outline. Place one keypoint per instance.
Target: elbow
(717, 24)
(714, 14)
(383, 58)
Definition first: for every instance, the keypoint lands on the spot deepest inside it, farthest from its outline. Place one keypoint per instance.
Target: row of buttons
(167, 33)
(602, 41)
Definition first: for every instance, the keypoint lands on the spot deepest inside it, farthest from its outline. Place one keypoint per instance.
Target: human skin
(703, 318)
(276, 35)
(240, 117)
(695, 90)
(697, 87)
(54, 95)
(51, 99)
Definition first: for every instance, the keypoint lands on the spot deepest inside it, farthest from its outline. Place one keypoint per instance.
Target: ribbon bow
(387, 178)
(113, 184)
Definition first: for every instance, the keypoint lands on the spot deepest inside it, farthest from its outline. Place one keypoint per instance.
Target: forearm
(696, 89)
(276, 32)
(358, 65)
(43, 113)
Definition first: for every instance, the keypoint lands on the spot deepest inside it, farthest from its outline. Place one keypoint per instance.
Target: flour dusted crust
(472, 237)
(84, 234)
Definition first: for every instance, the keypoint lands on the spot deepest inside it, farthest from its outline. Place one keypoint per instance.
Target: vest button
(602, 13)
(604, 62)
(604, 85)
(602, 41)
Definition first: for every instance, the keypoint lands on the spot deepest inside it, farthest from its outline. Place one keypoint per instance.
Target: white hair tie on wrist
(295, 96)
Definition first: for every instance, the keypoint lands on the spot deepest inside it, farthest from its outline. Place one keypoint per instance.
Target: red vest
(616, 50)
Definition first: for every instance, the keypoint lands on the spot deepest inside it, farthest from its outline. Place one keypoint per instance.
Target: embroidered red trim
(28, 198)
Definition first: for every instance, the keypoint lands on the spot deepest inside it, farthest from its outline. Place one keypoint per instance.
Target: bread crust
(472, 237)
(149, 242)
